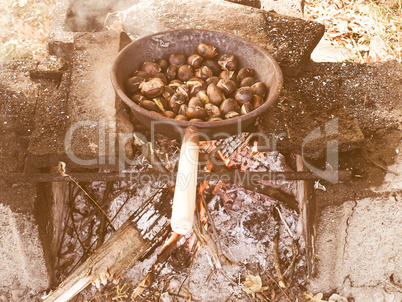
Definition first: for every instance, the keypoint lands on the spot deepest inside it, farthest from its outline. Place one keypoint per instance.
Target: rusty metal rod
(231, 176)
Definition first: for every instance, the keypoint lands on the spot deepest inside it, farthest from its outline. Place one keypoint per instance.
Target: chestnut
(231, 114)
(216, 96)
(196, 112)
(260, 89)
(162, 76)
(150, 106)
(177, 59)
(246, 108)
(211, 80)
(228, 105)
(169, 114)
(195, 61)
(228, 61)
(133, 84)
(176, 101)
(202, 94)
(171, 72)
(227, 86)
(151, 67)
(182, 110)
(204, 72)
(152, 88)
(196, 120)
(212, 110)
(143, 74)
(138, 97)
(195, 102)
(243, 95)
(196, 85)
(162, 103)
(175, 84)
(207, 51)
(215, 119)
(181, 118)
(216, 69)
(168, 92)
(163, 64)
(245, 72)
(184, 73)
(183, 89)
(228, 75)
(257, 101)
(247, 82)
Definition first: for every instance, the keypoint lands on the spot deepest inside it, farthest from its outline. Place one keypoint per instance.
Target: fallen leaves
(253, 285)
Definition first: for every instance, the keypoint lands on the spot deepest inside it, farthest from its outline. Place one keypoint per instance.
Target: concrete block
(359, 249)
(293, 8)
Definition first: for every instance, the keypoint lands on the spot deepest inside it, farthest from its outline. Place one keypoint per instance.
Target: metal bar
(231, 176)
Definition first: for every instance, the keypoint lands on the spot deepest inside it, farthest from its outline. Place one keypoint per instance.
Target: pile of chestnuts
(197, 88)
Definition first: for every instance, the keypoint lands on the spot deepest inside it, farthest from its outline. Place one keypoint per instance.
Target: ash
(246, 233)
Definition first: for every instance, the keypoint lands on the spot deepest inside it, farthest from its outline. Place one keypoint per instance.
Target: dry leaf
(316, 298)
(253, 285)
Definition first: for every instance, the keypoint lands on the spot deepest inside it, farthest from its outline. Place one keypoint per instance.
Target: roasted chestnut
(203, 96)
(216, 96)
(231, 114)
(244, 95)
(216, 69)
(196, 85)
(183, 89)
(168, 92)
(152, 88)
(138, 97)
(176, 101)
(195, 61)
(227, 86)
(195, 102)
(184, 73)
(150, 105)
(228, 105)
(246, 108)
(171, 72)
(246, 82)
(169, 114)
(204, 72)
(177, 59)
(207, 51)
(162, 76)
(151, 67)
(212, 110)
(257, 101)
(228, 75)
(182, 110)
(211, 80)
(196, 112)
(245, 72)
(161, 103)
(181, 118)
(133, 83)
(260, 89)
(163, 64)
(228, 61)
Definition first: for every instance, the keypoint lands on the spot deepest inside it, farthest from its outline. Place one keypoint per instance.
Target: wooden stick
(109, 262)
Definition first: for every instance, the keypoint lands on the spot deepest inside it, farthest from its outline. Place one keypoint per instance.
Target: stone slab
(359, 249)
(364, 98)
(290, 40)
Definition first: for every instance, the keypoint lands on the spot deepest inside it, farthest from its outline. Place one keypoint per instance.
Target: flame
(171, 240)
(254, 149)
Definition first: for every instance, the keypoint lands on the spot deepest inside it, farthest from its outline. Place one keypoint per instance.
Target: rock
(364, 98)
(290, 40)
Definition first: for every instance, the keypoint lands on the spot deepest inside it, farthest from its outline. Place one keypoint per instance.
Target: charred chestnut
(228, 105)
(207, 51)
(177, 59)
(244, 95)
(151, 67)
(228, 61)
(152, 88)
(184, 73)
